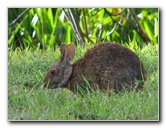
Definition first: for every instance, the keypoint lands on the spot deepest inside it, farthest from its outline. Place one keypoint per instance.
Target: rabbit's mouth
(56, 85)
(53, 86)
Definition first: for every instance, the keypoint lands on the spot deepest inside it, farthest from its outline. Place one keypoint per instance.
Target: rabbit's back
(108, 65)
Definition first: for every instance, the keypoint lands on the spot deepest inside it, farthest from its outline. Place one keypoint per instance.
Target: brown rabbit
(106, 66)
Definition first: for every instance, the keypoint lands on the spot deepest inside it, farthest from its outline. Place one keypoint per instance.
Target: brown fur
(106, 66)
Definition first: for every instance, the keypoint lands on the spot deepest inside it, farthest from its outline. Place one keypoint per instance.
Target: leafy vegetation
(28, 101)
(48, 27)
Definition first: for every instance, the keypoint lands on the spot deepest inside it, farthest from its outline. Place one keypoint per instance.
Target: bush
(47, 27)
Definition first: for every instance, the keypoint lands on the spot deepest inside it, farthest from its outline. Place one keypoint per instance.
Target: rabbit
(107, 66)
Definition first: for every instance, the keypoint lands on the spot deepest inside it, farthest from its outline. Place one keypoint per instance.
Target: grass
(26, 68)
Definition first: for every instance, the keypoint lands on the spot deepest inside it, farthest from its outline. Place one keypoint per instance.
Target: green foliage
(47, 27)
(28, 101)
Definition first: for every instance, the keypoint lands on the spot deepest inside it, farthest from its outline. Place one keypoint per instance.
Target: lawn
(28, 101)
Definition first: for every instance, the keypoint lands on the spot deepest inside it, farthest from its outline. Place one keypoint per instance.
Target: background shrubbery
(47, 27)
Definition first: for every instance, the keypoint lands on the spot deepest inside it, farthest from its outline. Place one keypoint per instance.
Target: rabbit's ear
(62, 48)
(69, 52)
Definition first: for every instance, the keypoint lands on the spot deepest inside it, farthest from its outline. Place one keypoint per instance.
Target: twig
(19, 17)
(42, 25)
(86, 29)
(74, 21)
(111, 14)
(13, 23)
(143, 34)
(85, 24)
(69, 18)
(78, 27)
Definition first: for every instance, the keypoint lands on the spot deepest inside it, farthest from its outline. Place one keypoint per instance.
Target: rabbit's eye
(53, 72)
